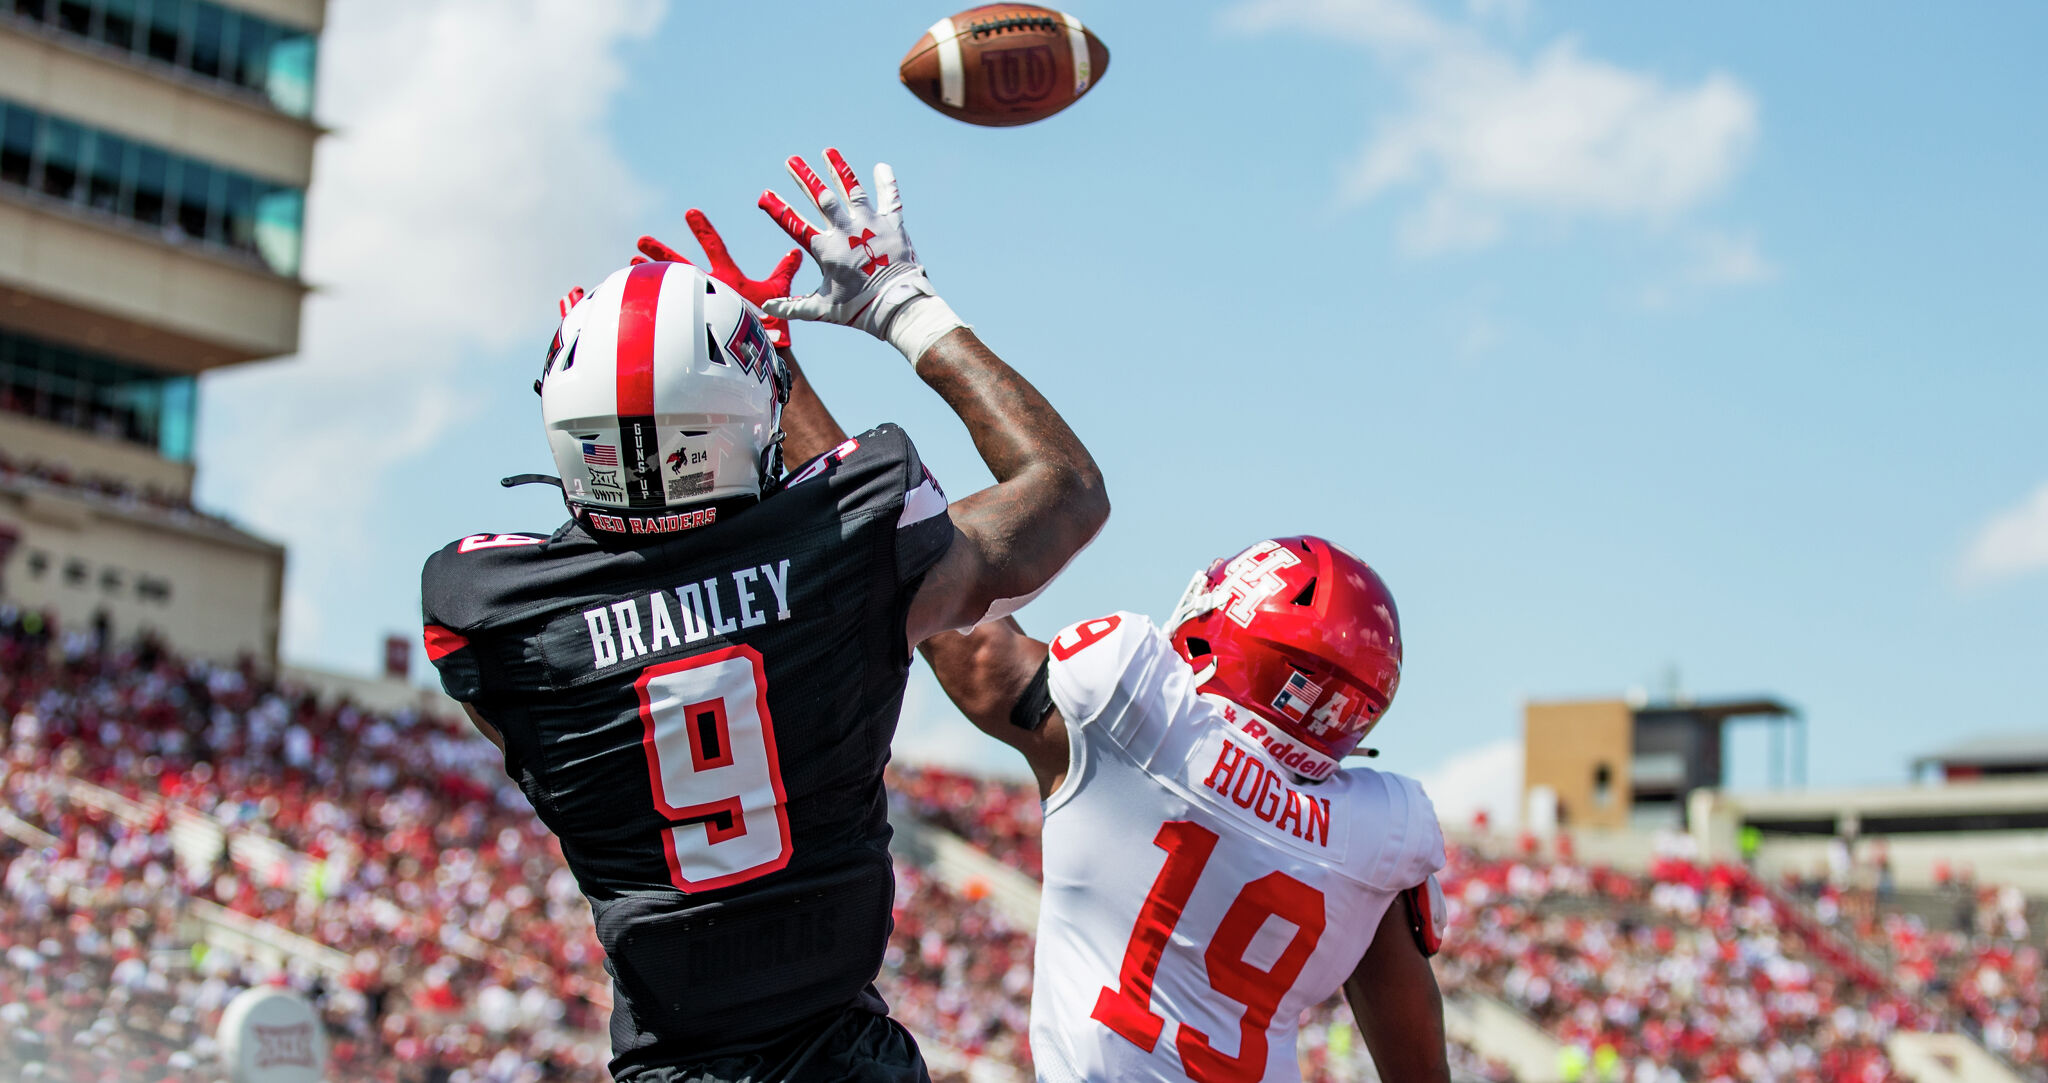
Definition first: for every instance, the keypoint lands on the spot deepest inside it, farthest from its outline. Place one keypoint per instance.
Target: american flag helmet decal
(1297, 696)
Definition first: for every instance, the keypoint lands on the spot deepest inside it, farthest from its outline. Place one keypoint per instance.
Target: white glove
(872, 278)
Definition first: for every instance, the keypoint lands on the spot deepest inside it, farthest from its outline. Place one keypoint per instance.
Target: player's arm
(453, 656)
(1009, 540)
(1394, 997)
(808, 428)
(996, 676)
(484, 727)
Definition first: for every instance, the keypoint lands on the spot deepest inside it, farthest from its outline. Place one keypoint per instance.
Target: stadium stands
(390, 838)
(112, 488)
(1971, 952)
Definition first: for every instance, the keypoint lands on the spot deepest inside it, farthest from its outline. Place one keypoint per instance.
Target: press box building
(154, 160)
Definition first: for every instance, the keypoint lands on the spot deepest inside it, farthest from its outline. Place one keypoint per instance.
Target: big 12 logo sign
(1252, 577)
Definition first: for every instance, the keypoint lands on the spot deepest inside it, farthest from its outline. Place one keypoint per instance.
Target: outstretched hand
(871, 270)
(758, 292)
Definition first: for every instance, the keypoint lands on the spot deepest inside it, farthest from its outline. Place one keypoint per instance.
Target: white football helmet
(662, 393)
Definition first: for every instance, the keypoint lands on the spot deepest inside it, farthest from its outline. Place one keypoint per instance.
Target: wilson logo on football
(1017, 76)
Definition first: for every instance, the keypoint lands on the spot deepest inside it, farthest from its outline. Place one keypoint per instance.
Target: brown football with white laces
(1004, 64)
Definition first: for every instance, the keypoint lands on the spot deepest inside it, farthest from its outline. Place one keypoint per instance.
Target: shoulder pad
(1397, 811)
(458, 576)
(873, 471)
(1094, 659)
(870, 478)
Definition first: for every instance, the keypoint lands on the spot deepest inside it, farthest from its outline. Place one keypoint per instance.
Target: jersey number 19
(1127, 1008)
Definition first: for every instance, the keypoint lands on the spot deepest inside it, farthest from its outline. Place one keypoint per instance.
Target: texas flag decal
(1297, 696)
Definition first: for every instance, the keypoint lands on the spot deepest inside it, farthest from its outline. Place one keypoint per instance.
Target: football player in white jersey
(1212, 870)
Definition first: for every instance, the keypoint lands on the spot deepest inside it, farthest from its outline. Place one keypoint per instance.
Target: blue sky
(1619, 339)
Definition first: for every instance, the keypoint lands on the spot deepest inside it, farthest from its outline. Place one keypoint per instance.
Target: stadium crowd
(1984, 965)
(467, 955)
(107, 486)
(1000, 817)
(1691, 972)
(397, 841)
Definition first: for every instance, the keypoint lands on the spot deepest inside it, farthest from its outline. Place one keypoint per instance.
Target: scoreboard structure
(1621, 764)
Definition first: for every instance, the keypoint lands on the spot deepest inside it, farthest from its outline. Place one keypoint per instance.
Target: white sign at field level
(273, 1035)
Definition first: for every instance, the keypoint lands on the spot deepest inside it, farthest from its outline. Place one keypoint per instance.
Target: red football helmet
(1300, 633)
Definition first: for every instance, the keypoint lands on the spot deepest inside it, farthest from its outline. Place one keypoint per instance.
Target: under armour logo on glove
(875, 260)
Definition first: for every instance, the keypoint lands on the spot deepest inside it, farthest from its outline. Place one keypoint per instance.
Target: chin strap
(530, 479)
(771, 464)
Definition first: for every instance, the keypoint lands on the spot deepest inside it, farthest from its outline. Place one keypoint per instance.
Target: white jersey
(1197, 898)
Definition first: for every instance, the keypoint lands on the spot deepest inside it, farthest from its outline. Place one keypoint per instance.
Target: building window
(1603, 786)
(191, 201)
(101, 395)
(233, 49)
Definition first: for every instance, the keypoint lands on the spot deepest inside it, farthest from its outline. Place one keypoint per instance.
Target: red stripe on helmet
(636, 339)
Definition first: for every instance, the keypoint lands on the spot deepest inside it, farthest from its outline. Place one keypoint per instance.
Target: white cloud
(1486, 136)
(1730, 259)
(470, 174)
(2011, 543)
(1510, 12)
(1487, 778)
(1715, 259)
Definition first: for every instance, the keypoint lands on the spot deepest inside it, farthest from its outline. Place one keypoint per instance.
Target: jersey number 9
(710, 747)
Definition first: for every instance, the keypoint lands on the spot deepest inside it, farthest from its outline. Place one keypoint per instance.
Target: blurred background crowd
(172, 832)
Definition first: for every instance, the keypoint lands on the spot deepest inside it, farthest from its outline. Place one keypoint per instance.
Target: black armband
(1035, 702)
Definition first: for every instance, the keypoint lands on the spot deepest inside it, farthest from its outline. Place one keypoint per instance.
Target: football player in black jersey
(695, 679)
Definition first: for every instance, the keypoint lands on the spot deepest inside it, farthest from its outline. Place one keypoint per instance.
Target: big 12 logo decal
(1252, 577)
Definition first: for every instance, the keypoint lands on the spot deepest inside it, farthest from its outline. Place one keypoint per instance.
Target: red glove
(759, 293)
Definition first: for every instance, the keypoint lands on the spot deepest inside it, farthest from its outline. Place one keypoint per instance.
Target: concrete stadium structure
(154, 160)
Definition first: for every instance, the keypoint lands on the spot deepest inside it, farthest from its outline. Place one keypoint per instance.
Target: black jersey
(703, 719)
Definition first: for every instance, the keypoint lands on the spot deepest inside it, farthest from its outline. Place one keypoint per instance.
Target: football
(1004, 64)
